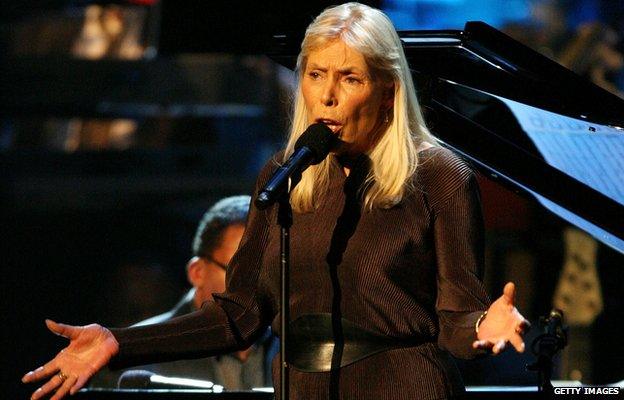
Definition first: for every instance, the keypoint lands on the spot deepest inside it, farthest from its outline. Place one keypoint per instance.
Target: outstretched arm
(90, 348)
(232, 322)
(503, 324)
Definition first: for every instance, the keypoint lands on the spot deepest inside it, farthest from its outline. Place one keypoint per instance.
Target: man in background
(216, 240)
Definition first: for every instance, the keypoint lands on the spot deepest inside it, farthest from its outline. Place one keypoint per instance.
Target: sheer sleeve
(233, 321)
(459, 248)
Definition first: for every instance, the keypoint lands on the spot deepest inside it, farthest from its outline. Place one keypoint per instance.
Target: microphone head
(319, 139)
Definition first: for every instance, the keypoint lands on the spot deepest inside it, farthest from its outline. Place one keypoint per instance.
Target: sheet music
(590, 153)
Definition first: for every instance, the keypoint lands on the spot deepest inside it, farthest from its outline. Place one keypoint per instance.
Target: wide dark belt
(318, 344)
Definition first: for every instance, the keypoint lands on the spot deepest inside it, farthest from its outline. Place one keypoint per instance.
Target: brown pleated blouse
(409, 272)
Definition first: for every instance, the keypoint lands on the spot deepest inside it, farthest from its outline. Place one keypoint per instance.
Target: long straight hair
(394, 157)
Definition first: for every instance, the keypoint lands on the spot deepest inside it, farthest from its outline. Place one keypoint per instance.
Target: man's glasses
(217, 263)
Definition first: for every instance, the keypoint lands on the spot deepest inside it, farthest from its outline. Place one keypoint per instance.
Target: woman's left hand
(502, 324)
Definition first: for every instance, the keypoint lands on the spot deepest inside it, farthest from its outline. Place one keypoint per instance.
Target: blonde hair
(394, 158)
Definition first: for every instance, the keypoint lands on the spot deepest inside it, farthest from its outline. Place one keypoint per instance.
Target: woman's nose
(328, 96)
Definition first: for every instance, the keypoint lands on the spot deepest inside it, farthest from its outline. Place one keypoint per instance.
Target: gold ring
(62, 376)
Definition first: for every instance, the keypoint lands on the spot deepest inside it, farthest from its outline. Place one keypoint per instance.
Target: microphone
(142, 379)
(311, 148)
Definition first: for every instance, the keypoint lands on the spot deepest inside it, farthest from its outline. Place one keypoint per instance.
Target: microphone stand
(546, 346)
(284, 219)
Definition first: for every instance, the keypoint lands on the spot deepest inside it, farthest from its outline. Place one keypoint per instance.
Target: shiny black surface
(488, 60)
(171, 394)
(94, 394)
(461, 77)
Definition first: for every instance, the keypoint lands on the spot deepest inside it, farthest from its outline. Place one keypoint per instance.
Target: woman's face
(340, 91)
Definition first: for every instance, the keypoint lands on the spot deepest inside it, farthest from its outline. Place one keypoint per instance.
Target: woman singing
(386, 251)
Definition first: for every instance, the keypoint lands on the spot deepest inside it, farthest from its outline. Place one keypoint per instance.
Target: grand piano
(523, 120)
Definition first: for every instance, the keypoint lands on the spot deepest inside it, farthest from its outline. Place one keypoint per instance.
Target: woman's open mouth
(334, 125)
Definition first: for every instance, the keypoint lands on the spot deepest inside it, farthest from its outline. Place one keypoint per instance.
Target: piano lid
(523, 119)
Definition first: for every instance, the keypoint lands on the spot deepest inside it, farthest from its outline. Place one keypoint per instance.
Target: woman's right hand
(90, 348)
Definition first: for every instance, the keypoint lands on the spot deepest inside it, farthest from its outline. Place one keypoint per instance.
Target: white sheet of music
(590, 153)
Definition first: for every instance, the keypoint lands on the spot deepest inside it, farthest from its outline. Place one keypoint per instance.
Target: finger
(521, 328)
(37, 394)
(517, 342)
(64, 330)
(62, 391)
(42, 372)
(80, 382)
(52, 384)
(525, 326)
(32, 376)
(482, 344)
(509, 292)
(498, 347)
